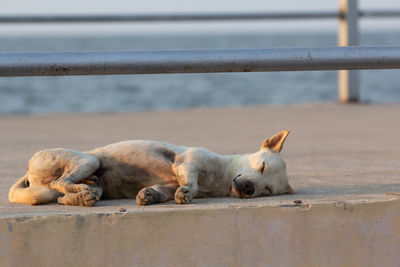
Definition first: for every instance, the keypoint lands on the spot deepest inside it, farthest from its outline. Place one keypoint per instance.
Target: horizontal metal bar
(198, 61)
(88, 18)
(379, 13)
(166, 17)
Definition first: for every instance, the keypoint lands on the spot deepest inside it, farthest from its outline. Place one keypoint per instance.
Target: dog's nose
(246, 187)
(249, 188)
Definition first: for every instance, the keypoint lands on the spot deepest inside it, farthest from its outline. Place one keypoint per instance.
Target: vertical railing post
(348, 80)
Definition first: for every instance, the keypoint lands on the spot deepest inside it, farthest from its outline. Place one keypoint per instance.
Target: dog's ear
(275, 143)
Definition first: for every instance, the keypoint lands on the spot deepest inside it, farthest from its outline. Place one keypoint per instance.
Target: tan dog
(151, 172)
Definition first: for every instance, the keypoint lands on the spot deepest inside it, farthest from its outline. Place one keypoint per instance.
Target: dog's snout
(246, 187)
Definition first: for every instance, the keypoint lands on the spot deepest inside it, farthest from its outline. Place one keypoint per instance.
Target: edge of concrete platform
(330, 234)
(122, 206)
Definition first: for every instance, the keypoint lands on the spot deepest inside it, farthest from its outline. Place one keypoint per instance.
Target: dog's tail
(18, 190)
(22, 192)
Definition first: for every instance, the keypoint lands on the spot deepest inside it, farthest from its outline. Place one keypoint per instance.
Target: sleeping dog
(152, 172)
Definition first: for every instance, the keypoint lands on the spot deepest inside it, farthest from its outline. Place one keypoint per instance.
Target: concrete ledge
(343, 161)
(339, 234)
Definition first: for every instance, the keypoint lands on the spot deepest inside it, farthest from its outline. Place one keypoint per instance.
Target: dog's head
(264, 172)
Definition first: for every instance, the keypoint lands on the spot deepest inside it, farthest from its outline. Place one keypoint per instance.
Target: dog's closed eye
(262, 167)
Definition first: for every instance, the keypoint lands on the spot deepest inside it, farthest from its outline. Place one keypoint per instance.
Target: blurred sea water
(115, 93)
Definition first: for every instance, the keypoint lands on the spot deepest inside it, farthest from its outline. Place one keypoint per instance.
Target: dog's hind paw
(183, 195)
(87, 198)
(84, 198)
(147, 196)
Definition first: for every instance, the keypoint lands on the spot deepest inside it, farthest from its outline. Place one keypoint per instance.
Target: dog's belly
(121, 180)
(127, 167)
(117, 184)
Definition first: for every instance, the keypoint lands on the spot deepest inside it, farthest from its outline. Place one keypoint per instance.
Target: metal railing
(345, 59)
(198, 61)
(166, 17)
(90, 18)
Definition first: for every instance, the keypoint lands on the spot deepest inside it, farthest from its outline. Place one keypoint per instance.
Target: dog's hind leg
(156, 194)
(62, 169)
(52, 173)
(79, 168)
(68, 170)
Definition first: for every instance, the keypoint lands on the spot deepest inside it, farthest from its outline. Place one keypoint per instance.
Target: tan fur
(275, 143)
(152, 172)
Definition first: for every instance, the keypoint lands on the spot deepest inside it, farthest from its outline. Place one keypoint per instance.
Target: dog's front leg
(188, 181)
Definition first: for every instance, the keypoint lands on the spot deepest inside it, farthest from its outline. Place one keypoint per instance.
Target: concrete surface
(343, 161)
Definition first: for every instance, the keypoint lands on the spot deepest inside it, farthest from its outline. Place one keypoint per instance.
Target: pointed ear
(289, 190)
(275, 143)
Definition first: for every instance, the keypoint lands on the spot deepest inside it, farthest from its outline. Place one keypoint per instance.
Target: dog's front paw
(147, 196)
(184, 195)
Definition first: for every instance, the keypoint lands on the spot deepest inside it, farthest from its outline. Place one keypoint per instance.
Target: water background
(114, 93)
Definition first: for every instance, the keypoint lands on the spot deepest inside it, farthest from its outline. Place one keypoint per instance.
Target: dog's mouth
(269, 190)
